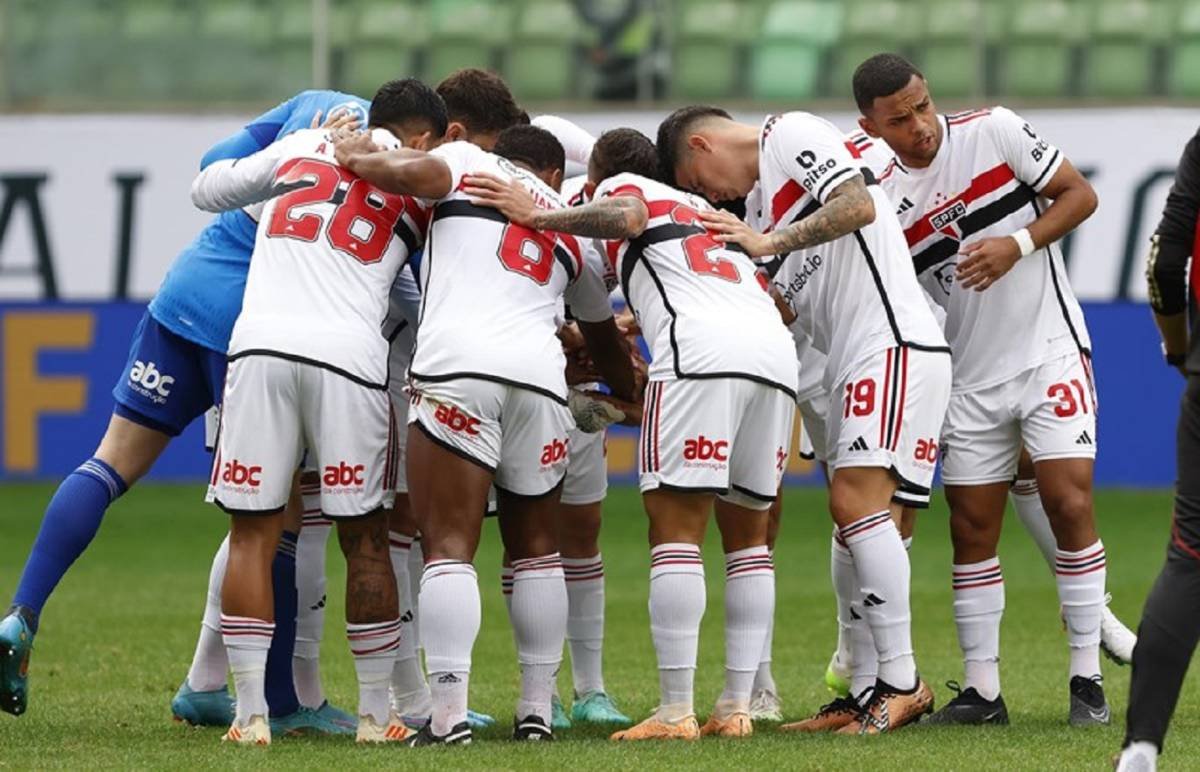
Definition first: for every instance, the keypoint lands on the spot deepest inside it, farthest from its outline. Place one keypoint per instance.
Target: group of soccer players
(425, 334)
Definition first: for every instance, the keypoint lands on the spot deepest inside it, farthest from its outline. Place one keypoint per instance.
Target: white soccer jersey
(329, 246)
(490, 289)
(984, 182)
(857, 294)
(871, 152)
(701, 307)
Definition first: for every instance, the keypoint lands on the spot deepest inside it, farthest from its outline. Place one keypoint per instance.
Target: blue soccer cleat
(558, 715)
(597, 708)
(307, 721)
(336, 715)
(479, 720)
(16, 643)
(213, 708)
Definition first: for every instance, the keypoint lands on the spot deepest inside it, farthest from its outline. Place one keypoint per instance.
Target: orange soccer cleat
(732, 725)
(891, 709)
(830, 718)
(655, 728)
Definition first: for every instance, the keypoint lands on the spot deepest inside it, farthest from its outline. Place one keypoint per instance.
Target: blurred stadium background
(107, 105)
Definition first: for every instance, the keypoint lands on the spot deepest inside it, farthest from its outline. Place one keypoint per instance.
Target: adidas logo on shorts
(859, 444)
(1084, 439)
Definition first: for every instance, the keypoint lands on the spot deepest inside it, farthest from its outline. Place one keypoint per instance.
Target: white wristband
(1024, 241)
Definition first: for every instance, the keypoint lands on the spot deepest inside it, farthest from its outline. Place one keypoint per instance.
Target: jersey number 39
(363, 218)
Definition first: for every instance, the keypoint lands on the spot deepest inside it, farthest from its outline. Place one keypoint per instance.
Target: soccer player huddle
(404, 313)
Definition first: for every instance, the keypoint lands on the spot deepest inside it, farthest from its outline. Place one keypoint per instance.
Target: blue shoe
(213, 708)
(16, 642)
(479, 720)
(558, 715)
(307, 721)
(337, 716)
(597, 708)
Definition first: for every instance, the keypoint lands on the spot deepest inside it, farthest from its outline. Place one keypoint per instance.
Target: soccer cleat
(969, 707)
(306, 721)
(459, 735)
(1116, 640)
(734, 725)
(337, 716)
(597, 708)
(1136, 757)
(655, 728)
(1088, 706)
(765, 705)
(418, 719)
(479, 720)
(837, 677)
(890, 709)
(394, 731)
(256, 731)
(16, 643)
(558, 714)
(843, 711)
(531, 729)
(213, 708)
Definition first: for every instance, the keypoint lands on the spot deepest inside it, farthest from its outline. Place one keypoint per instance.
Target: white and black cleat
(531, 729)
(459, 735)
(1088, 706)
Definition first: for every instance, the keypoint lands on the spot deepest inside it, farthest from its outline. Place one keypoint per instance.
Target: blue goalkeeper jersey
(201, 296)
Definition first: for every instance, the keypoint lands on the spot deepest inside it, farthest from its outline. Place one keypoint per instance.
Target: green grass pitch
(117, 638)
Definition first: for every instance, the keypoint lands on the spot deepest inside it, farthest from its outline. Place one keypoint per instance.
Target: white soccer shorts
(399, 358)
(587, 468)
(888, 412)
(729, 436)
(1050, 408)
(519, 434)
(813, 414)
(273, 409)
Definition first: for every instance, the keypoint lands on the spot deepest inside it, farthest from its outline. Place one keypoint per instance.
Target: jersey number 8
(357, 204)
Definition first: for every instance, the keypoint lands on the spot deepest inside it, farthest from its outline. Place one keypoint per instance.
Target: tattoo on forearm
(846, 209)
(603, 219)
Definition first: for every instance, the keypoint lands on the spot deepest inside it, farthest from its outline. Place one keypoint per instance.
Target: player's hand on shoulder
(336, 120)
(986, 261)
(507, 196)
(349, 144)
(728, 229)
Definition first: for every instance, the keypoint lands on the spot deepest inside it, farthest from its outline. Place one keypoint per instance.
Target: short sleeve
(1032, 159)
(462, 158)
(811, 151)
(621, 185)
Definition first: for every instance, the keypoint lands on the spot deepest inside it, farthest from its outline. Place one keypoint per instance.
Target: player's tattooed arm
(613, 217)
(848, 208)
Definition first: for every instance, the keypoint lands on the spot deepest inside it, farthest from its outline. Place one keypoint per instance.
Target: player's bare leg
(448, 494)
(529, 530)
(410, 692)
(765, 704)
(860, 501)
(749, 609)
(1065, 486)
(1116, 639)
(678, 521)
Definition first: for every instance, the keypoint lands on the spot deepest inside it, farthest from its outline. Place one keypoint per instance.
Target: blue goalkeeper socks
(68, 527)
(280, 686)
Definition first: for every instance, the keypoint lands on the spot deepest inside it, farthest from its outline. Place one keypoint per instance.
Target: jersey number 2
(698, 246)
(362, 221)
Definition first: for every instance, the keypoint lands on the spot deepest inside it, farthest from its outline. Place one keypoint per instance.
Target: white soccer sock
(373, 645)
(749, 607)
(210, 665)
(1080, 577)
(449, 613)
(585, 621)
(677, 601)
(410, 693)
(763, 678)
(1028, 503)
(539, 620)
(884, 574)
(310, 597)
(1139, 756)
(506, 588)
(856, 644)
(978, 607)
(247, 641)
(907, 542)
(416, 571)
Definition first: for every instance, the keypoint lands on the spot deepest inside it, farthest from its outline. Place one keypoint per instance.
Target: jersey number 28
(362, 221)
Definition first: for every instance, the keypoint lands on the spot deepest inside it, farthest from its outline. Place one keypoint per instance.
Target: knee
(844, 505)
(1070, 505)
(364, 537)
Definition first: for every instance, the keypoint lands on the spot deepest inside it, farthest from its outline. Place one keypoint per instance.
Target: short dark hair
(408, 99)
(881, 76)
(673, 131)
(532, 146)
(479, 100)
(624, 150)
